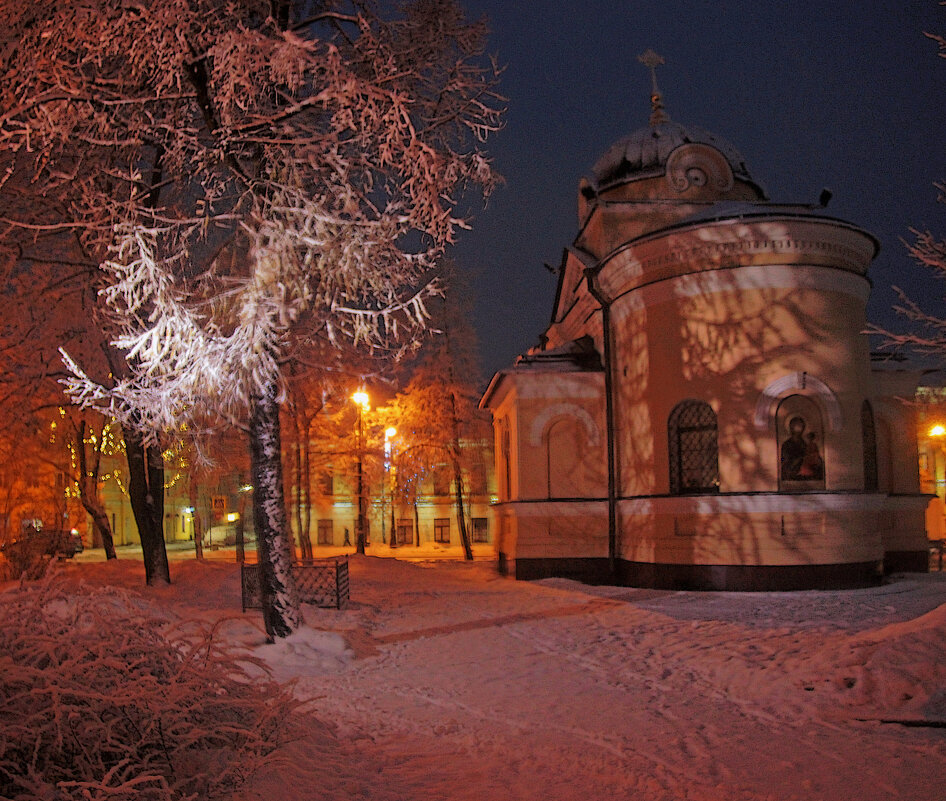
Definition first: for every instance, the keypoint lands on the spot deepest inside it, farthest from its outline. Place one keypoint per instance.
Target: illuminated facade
(702, 412)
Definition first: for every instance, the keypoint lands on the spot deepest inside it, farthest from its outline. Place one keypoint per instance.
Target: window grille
(694, 450)
(442, 529)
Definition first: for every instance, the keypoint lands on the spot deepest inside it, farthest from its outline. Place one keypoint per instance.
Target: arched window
(869, 438)
(800, 444)
(694, 450)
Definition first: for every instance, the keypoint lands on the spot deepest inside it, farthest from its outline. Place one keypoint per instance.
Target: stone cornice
(734, 243)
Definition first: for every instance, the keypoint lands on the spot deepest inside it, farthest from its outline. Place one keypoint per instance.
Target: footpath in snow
(442, 680)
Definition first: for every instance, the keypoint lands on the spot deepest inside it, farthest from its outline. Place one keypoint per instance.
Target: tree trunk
(100, 525)
(360, 538)
(281, 612)
(300, 448)
(306, 530)
(146, 492)
(195, 515)
(89, 493)
(461, 513)
(458, 480)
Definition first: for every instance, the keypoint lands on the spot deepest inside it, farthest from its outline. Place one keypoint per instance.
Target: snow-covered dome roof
(644, 154)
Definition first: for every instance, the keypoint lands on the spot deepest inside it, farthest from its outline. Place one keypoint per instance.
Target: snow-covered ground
(442, 680)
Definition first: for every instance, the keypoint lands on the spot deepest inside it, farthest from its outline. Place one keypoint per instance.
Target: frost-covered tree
(926, 332)
(268, 174)
(436, 414)
(317, 416)
(67, 443)
(50, 246)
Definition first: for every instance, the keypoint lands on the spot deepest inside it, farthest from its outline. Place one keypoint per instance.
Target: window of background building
(325, 535)
(478, 478)
(326, 483)
(480, 529)
(442, 529)
(405, 531)
(441, 480)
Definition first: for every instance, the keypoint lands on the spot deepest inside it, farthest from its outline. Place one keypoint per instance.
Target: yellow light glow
(232, 517)
(938, 430)
(361, 398)
(389, 433)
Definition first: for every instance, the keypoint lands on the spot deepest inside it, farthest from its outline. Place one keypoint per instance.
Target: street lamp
(389, 434)
(937, 436)
(241, 523)
(362, 400)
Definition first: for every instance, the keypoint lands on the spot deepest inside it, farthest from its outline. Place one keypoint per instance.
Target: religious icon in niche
(800, 456)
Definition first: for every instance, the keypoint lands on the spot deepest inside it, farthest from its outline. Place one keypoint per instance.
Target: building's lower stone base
(739, 578)
(589, 570)
(906, 562)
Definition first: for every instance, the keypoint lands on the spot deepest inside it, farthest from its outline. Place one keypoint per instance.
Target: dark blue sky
(846, 95)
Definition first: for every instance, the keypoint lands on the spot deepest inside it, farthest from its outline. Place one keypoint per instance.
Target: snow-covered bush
(27, 558)
(102, 699)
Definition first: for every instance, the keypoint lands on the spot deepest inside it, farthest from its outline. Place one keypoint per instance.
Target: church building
(701, 412)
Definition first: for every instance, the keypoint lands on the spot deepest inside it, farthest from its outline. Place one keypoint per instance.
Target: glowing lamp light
(232, 517)
(938, 430)
(361, 398)
(389, 433)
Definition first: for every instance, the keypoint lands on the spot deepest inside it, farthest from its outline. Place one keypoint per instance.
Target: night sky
(845, 95)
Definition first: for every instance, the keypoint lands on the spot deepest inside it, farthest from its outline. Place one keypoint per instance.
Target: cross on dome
(652, 60)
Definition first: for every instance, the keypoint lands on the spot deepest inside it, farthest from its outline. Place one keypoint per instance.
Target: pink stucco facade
(702, 411)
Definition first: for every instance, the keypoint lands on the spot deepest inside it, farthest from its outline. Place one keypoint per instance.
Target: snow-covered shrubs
(26, 558)
(102, 699)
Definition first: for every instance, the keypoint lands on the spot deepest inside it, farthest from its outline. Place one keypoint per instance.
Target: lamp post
(389, 434)
(241, 523)
(362, 401)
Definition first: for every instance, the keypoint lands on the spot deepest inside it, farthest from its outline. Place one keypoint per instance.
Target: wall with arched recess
(567, 434)
(801, 383)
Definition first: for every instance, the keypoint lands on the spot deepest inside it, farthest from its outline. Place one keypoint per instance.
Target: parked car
(46, 542)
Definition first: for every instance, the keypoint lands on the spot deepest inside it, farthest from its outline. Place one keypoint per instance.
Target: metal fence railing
(323, 582)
